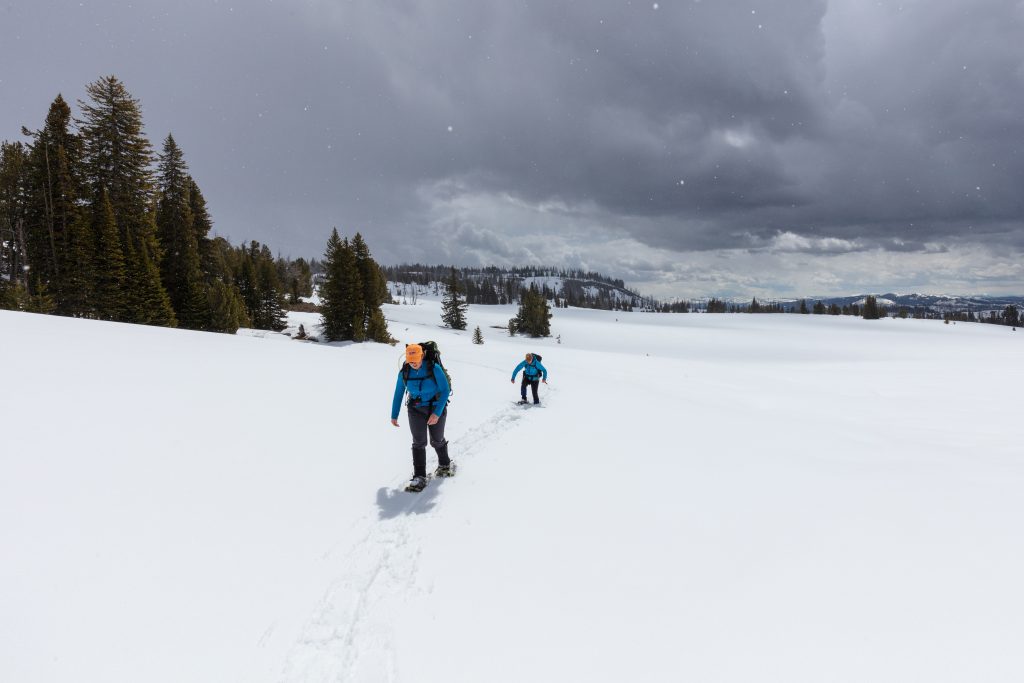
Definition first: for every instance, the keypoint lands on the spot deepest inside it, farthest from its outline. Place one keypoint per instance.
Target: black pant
(534, 384)
(418, 416)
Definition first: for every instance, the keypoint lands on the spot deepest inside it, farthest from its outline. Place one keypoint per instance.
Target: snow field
(702, 497)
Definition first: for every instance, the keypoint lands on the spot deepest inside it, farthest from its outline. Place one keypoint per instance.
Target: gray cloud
(476, 131)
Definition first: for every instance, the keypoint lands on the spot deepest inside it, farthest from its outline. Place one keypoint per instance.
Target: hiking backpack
(536, 359)
(431, 357)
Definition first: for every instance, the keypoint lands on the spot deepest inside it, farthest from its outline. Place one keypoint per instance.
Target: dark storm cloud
(690, 125)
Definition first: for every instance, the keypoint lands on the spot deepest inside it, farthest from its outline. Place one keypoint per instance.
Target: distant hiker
(533, 374)
(428, 390)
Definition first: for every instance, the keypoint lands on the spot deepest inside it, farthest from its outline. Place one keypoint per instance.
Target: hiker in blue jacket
(533, 374)
(427, 410)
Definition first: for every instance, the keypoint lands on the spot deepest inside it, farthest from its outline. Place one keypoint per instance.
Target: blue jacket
(423, 388)
(531, 371)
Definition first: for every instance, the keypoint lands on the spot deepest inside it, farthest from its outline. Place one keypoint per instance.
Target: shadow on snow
(392, 502)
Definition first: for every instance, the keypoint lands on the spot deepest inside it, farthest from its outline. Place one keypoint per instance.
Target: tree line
(499, 286)
(95, 224)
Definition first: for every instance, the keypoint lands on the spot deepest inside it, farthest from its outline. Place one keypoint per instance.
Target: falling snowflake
(451, 128)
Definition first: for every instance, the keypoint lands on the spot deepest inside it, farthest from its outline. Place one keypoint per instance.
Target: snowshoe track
(349, 636)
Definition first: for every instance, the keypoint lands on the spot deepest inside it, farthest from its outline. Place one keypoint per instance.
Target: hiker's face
(415, 365)
(529, 358)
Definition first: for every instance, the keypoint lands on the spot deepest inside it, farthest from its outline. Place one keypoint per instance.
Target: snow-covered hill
(701, 497)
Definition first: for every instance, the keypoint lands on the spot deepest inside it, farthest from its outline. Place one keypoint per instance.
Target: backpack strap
(406, 369)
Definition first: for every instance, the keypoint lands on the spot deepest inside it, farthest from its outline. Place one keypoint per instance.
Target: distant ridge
(590, 289)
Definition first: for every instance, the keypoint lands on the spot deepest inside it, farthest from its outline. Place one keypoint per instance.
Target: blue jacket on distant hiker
(533, 374)
(427, 385)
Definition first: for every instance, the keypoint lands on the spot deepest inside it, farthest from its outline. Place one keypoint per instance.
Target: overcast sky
(690, 147)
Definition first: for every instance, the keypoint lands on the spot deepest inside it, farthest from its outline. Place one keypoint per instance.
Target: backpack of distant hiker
(536, 359)
(431, 357)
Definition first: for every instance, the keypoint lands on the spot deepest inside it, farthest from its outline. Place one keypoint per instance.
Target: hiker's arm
(522, 364)
(443, 390)
(396, 402)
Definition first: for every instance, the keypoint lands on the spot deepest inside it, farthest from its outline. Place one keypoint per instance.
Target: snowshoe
(416, 484)
(445, 470)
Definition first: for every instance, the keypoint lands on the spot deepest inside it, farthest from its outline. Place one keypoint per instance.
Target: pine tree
(202, 225)
(374, 288)
(108, 264)
(248, 285)
(1011, 316)
(180, 268)
(13, 209)
(227, 310)
(271, 314)
(147, 300)
(117, 159)
(57, 227)
(259, 288)
(453, 308)
(478, 336)
(871, 308)
(341, 292)
(534, 317)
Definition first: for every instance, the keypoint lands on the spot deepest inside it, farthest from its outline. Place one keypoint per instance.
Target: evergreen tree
(534, 317)
(180, 267)
(341, 292)
(803, 307)
(453, 308)
(109, 302)
(202, 224)
(148, 303)
(1011, 316)
(374, 289)
(117, 159)
(478, 336)
(259, 288)
(13, 209)
(58, 235)
(227, 307)
(227, 310)
(270, 314)
(871, 311)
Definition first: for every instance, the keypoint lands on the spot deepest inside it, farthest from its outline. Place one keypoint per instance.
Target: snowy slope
(701, 497)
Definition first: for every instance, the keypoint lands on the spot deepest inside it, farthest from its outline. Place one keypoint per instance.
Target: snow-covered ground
(700, 498)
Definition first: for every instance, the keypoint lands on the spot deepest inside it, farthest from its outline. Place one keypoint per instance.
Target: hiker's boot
(445, 466)
(445, 470)
(416, 484)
